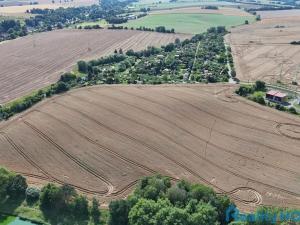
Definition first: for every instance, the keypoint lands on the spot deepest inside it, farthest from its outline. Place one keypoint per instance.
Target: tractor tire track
(103, 148)
(178, 163)
(80, 163)
(216, 131)
(183, 129)
(48, 176)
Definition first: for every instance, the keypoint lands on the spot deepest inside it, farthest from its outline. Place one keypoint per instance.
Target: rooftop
(276, 93)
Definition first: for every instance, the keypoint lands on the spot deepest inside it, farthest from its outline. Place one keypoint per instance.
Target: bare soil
(263, 51)
(38, 60)
(103, 139)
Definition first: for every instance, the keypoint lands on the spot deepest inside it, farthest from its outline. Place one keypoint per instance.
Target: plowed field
(103, 139)
(38, 60)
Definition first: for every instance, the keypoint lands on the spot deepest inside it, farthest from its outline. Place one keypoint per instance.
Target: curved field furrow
(171, 122)
(143, 144)
(99, 145)
(193, 151)
(187, 149)
(110, 187)
(112, 136)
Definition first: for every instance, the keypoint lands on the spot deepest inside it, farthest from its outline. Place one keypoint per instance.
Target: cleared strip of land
(33, 62)
(103, 139)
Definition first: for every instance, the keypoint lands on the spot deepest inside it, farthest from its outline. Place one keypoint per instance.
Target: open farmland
(36, 61)
(102, 139)
(12, 7)
(166, 4)
(263, 51)
(228, 11)
(188, 22)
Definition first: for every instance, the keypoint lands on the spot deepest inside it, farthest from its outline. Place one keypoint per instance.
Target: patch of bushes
(245, 90)
(213, 7)
(12, 186)
(157, 201)
(295, 43)
(258, 97)
(32, 194)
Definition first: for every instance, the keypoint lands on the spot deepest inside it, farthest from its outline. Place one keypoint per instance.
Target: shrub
(258, 97)
(244, 90)
(17, 186)
(32, 194)
(293, 110)
(260, 86)
(280, 107)
(82, 66)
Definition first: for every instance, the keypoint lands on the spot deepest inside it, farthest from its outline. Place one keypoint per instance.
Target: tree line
(159, 29)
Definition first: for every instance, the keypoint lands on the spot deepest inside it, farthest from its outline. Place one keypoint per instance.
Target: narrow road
(195, 58)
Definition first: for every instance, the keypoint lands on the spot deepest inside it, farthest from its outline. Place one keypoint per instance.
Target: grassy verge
(22, 210)
(101, 23)
(5, 220)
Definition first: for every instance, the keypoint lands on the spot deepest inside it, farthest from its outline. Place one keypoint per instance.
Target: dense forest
(203, 58)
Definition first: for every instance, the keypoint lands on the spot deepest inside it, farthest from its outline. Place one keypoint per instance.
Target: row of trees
(66, 82)
(160, 29)
(11, 29)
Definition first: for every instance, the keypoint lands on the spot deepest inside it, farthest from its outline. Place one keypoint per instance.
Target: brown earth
(38, 60)
(263, 51)
(103, 139)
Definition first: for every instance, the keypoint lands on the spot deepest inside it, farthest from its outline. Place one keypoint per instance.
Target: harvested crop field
(263, 51)
(33, 62)
(102, 139)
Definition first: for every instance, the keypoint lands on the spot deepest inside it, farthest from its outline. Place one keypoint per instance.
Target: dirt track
(263, 51)
(103, 139)
(38, 60)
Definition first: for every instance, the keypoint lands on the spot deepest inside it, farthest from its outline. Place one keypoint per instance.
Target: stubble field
(103, 139)
(38, 60)
(263, 51)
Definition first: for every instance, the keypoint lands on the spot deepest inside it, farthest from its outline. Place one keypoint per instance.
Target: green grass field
(101, 23)
(164, 4)
(189, 23)
(4, 220)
